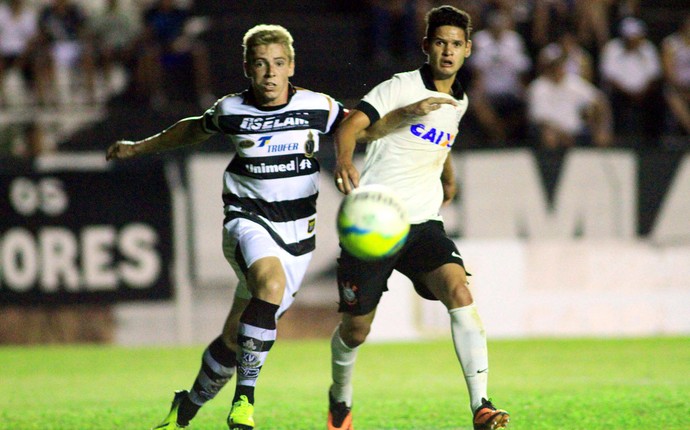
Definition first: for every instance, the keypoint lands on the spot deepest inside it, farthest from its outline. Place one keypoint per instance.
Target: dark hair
(447, 15)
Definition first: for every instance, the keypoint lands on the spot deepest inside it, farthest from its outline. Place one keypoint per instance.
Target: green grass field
(634, 384)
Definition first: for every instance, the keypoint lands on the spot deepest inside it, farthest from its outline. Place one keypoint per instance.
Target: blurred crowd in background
(548, 74)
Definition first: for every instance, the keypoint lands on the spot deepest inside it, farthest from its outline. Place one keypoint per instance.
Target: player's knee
(230, 340)
(270, 290)
(457, 294)
(354, 334)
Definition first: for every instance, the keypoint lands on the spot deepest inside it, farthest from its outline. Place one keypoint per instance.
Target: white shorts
(253, 243)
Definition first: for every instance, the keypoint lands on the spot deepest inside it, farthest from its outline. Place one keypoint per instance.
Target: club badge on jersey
(309, 145)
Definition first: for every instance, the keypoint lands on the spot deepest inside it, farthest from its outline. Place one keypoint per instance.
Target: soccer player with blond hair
(269, 195)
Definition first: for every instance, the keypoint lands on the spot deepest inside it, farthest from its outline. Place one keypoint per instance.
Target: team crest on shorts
(309, 146)
(349, 293)
(311, 225)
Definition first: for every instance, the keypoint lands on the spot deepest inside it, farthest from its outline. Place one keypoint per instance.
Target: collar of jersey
(250, 99)
(428, 78)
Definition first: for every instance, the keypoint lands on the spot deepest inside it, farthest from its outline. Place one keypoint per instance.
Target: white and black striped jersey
(273, 179)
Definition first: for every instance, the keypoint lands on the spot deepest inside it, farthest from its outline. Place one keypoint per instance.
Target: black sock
(186, 411)
(259, 313)
(244, 390)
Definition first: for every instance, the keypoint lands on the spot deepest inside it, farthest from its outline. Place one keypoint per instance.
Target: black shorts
(362, 283)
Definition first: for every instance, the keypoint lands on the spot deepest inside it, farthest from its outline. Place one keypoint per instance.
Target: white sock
(342, 365)
(469, 340)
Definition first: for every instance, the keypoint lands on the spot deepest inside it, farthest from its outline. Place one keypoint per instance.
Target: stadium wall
(599, 248)
(592, 243)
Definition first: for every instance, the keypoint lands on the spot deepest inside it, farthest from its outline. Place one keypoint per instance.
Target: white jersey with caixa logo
(410, 159)
(274, 176)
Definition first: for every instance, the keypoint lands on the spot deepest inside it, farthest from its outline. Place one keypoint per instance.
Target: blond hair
(266, 34)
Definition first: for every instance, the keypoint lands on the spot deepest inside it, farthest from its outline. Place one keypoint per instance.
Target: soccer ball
(372, 223)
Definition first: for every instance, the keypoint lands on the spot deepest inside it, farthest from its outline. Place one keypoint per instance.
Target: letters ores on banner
(96, 236)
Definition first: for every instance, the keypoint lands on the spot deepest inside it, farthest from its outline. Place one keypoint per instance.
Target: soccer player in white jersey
(413, 161)
(269, 194)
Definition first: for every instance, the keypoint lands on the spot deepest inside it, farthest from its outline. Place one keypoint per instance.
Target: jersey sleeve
(336, 115)
(209, 120)
(382, 99)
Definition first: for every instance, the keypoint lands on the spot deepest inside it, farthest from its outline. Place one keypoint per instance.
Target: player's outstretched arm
(356, 128)
(394, 118)
(426, 105)
(188, 131)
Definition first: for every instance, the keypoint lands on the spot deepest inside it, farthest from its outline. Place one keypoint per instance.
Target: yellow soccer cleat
(170, 421)
(241, 415)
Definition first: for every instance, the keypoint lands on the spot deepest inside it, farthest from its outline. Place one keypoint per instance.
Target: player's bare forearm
(345, 174)
(448, 180)
(383, 126)
(187, 131)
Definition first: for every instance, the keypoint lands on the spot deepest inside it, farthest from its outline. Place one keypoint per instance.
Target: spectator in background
(520, 12)
(595, 18)
(18, 31)
(63, 49)
(565, 110)
(168, 44)
(393, 30)
(549, 17)
(577, 59)
(114, 34)
(22, 140)
(593, 22)
(675, 54)
(500, 65)
(631, 75)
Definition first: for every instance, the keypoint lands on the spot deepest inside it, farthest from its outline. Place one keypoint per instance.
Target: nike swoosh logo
(483, 370)
(455, 254)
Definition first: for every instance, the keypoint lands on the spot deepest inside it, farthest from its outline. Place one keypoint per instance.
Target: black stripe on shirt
(280, 166)
(279, 211)
(302, 119)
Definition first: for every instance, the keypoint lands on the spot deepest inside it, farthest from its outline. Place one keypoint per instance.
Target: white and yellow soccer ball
(372, 223)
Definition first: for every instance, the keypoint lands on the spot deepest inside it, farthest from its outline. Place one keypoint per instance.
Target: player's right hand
(120, 150)
(346, 177)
